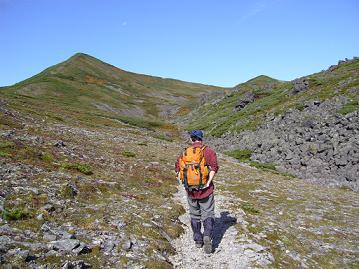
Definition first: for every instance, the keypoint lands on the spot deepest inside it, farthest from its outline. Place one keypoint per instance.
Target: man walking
(196, 168)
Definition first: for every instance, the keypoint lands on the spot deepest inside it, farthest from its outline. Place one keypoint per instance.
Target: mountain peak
(81, 64)
(80, 56)
(262, 79)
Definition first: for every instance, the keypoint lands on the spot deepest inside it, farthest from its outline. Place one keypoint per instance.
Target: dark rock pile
(300, 85)
(316, 143)
(244, 100)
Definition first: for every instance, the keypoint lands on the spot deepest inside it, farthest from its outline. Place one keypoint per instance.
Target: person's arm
(210, 178)
(212, 162)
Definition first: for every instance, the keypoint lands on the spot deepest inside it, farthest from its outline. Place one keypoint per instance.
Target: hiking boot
(199, 244)
(207, 244)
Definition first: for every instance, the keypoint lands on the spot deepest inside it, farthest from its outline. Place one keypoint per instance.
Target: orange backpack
(193, 169)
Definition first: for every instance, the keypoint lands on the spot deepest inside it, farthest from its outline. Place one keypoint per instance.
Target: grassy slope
(86, 89)
(272, 97)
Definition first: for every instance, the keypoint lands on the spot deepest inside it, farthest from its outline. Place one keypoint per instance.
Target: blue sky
(209, 41)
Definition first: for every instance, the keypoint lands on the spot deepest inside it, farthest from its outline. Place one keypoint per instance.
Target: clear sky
(209, 41)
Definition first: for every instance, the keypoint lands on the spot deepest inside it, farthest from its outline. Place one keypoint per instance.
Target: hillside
(307, 127)
(270, 96)
(86, 89)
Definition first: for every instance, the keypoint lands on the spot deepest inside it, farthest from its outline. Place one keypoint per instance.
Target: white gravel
(231, 250)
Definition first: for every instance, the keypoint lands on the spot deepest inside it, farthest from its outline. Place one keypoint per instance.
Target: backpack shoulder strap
(203, 148)
(185, 151)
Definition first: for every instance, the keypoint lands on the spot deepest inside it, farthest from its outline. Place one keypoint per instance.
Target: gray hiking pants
(201, 209)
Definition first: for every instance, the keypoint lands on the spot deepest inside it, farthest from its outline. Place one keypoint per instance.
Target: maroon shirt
(211, 160)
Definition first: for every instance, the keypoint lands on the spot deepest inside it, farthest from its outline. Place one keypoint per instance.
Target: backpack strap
(200, 171)
(202, 149)
(185, 180)
(200, 178)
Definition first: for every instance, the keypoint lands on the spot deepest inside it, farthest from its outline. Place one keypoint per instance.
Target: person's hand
(207, 184)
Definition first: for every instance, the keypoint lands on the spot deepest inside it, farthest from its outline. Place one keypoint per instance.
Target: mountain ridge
(80, 56)
(86, 84)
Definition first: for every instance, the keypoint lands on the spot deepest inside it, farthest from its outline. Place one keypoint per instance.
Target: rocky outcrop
(316, 144)
(244, 100)
(341, 62)
(300, 85)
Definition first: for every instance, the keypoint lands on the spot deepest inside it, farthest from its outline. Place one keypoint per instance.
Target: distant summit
(84, 85)
(262, 79)
(260, 82)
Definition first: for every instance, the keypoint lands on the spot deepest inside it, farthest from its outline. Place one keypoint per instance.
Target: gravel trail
(231, 250)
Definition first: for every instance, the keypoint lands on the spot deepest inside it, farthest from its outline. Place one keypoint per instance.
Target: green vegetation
(164, 137)
(128, 154)
(139, 122)
(6, 147)
(80, 167)
(15, 214)
(47, 157)
(264, 166)
(239, 154)
(4, 154)
(349, 107)
(244, 155)
(249, 208)
(6, 144)
(29, 154)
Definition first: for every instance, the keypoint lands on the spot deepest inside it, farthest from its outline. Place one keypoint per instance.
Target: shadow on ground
(220, 227)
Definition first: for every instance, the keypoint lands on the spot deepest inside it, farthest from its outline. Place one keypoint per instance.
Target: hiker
(195, 168)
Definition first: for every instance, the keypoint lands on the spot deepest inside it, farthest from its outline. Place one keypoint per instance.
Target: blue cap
(197, 134)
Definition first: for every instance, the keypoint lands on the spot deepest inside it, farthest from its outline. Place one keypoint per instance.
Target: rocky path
(268, 220)
(231, 249)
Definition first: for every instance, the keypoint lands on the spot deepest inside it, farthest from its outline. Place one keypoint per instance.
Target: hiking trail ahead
(230, 249)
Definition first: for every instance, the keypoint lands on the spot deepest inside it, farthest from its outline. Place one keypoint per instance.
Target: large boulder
(65, 245)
